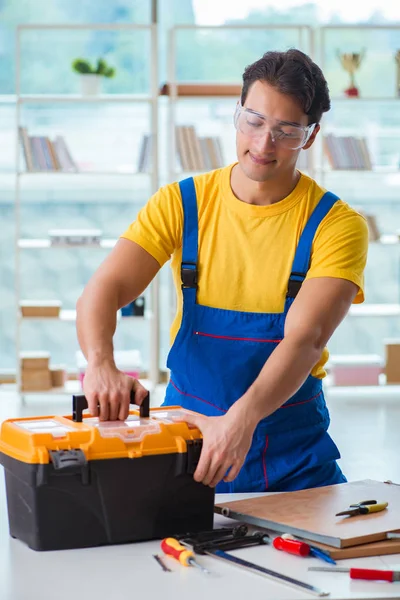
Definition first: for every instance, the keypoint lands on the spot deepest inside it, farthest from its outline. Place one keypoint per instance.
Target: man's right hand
(110, 389)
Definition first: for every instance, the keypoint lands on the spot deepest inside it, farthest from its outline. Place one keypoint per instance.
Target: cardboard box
(40, 308)
(35, 380)
(392, 355)
(34, 360)
(58, 376)
(357, 369)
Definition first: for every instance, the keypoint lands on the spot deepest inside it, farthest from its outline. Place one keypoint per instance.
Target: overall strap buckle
(294, 285)
(189, 275)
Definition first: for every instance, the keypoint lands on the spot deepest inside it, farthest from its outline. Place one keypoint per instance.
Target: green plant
(84, 67)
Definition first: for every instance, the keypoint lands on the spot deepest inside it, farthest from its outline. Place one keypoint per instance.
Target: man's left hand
(226, 442)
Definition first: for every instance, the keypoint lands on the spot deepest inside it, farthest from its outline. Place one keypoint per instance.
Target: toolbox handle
(79, 404)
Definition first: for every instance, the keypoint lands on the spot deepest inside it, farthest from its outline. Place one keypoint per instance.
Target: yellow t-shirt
(246, 251)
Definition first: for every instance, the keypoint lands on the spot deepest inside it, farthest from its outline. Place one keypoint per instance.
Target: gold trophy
(397, 59)
(350, 62)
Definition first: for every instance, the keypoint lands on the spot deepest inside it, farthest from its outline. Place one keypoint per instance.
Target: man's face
(260, 158)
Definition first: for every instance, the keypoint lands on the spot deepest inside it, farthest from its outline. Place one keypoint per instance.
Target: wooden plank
(311, 513)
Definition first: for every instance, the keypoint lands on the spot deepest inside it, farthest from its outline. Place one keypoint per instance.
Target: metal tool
(371, 574)
(252, 567)
(256, 539)
(363, 508)
(172, 547)
(161, 563)
(289, 543)
(213, 534)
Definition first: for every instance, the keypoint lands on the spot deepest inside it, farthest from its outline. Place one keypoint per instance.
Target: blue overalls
(218, 353)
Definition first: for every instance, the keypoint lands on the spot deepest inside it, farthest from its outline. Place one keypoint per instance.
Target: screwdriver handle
(173, 548)
(371, 574)
(291, 546)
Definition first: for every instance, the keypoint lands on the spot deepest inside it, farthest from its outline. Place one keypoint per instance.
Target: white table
(129, 572)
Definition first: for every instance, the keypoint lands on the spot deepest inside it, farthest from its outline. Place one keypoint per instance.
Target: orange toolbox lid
(29, 440)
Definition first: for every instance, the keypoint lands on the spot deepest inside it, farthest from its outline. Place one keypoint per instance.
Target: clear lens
(256, 126)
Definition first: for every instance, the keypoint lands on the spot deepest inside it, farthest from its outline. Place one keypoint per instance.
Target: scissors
(363, 508)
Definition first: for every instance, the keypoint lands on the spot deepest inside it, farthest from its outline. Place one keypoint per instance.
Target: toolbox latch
(187, 462)
(71, 462)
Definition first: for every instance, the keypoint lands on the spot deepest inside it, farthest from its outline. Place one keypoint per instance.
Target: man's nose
(265, 142)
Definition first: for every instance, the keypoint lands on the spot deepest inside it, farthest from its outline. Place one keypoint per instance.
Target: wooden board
(311, 513)
(361, 550)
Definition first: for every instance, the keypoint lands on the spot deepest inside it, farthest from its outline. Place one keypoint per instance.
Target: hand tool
(161, 563)
(371, 574)
(256, 539)
(363, 508)
(214, 534)
(289, 543)
(172, 547)
(252, 567)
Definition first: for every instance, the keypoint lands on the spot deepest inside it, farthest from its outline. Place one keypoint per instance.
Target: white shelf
(388, 240)
(365, 99)
(38, 244)
(78, 98)
(71, 387)
(89, 173)
(375, 310)
(70, 316)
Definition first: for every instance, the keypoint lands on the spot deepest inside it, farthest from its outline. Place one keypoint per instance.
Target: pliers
(363, 508)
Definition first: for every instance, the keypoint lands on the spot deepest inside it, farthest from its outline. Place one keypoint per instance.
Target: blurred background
(77, 158)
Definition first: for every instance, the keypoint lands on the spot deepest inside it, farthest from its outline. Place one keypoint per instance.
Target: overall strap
(302, 257)
(189, 274)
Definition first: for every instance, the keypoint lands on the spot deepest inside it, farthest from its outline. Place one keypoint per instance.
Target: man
(266, 265)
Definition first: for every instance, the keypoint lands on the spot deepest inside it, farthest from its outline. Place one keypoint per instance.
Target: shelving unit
(24, 244)
(374, 115)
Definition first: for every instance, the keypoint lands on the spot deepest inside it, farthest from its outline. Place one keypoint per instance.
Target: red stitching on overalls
(302, 402)
(265, 463)
(197, 398)
(229, 337)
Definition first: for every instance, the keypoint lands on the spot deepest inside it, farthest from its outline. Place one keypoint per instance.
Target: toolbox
(76, 481)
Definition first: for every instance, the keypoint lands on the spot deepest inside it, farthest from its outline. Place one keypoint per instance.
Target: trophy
(397, 59)
(350, 62)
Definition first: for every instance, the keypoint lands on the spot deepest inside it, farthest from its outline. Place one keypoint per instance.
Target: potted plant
(91, 75)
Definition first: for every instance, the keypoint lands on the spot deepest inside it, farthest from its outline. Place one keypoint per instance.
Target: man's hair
(295, 74)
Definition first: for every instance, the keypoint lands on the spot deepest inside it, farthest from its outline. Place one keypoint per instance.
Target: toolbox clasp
(188, 461)
(72, 461)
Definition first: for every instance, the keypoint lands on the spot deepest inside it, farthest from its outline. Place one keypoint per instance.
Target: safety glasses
(283, 134)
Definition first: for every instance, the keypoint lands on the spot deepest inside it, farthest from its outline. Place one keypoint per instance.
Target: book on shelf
(75, 237)
(197, 153)
(194, 153)
(347, 152)
(374, 234)
(202, 89)
(144, 163)
(42, 154)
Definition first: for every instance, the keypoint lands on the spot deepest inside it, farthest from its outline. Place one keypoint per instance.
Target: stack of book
(347, 152)
(194, 153)
(43, 154)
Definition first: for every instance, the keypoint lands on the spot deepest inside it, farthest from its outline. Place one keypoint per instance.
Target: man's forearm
(282, 375)
(96, 323)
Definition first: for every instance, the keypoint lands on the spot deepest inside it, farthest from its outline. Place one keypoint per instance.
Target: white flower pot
(90, 84)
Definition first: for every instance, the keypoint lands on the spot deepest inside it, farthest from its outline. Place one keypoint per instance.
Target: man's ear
(312, 137)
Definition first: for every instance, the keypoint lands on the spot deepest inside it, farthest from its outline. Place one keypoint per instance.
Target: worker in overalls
(266, 264)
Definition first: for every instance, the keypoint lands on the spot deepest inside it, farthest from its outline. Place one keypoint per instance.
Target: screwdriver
(172, 547)
(294, 546)
(371, 574)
